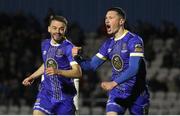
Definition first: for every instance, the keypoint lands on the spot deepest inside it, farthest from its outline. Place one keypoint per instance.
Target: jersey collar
(125, 32)
(54, 44)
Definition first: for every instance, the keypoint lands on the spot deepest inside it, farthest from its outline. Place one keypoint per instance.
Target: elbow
(79, 74)
(93, 67)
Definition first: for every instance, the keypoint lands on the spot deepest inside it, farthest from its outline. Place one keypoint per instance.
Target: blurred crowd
(20, 55)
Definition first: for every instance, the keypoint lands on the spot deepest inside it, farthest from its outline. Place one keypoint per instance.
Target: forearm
(38, 72)
(92, 64)
(75, 72)
(130, 72)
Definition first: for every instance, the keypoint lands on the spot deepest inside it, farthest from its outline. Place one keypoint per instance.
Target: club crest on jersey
(51, 63)
(138, 48)
(44, 52)
(59, 53)
(117, 62)
(124, 48)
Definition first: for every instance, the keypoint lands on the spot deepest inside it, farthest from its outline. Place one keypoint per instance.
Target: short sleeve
(103, 51)
(136, 46)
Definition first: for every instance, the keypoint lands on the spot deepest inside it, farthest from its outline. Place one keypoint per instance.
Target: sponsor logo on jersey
(59, 53)
(124, 48)
(117, 62)
(109, 50)
(44, 52)
(51, 63)
(138, 48)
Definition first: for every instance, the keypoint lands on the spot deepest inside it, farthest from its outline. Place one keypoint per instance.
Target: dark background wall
(90, 13)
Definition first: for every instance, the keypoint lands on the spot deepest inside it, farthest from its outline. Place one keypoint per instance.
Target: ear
(49, 29)
(122, 21)
(65, 29)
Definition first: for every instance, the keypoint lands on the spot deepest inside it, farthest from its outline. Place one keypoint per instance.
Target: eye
(54, 28)
(61, 29)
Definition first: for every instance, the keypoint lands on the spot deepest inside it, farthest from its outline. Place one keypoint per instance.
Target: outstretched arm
(29, 80)
(91, 64)
(130, 72)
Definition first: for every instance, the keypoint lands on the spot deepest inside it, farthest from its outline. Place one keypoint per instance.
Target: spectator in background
(76, 34)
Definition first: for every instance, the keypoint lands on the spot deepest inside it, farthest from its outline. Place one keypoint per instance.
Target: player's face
(113, 22)
(57, 30)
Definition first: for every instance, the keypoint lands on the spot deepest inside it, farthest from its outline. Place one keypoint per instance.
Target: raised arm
(91, 64)
(88, 64)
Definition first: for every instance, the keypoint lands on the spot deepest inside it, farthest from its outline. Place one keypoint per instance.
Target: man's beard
(59, 39)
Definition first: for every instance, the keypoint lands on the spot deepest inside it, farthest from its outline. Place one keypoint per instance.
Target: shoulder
(108, 41)
(68, 43)
(134, 38)
(45, 41)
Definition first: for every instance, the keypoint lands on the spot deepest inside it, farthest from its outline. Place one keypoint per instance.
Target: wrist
(59, 72)
(32, 78)
(115, 83)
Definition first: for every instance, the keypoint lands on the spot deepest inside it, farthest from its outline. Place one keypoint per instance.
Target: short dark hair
(119, 10)
(58, 18)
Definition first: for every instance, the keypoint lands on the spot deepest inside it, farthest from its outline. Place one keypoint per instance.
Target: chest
(118, 48)
(54, 52)
(53, 55)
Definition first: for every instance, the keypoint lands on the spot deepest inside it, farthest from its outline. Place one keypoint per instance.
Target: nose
(57, 30)
(106, 21)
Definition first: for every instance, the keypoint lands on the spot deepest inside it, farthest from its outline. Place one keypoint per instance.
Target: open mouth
(108, 27)
(57, 35)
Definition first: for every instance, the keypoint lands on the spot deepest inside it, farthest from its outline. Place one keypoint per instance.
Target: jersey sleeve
(91, 64)
(103, 51)
(136, 46)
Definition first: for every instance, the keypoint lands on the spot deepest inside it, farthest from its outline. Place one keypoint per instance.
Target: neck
(54, 41)
(119, 33)
(57, 41)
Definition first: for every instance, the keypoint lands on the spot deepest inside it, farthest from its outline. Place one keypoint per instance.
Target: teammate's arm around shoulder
(30, 79)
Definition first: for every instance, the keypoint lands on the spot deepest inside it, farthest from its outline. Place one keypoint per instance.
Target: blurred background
(23, 25)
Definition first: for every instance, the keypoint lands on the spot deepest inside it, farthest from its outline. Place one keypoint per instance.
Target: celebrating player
(59, 69)
(125, 50)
